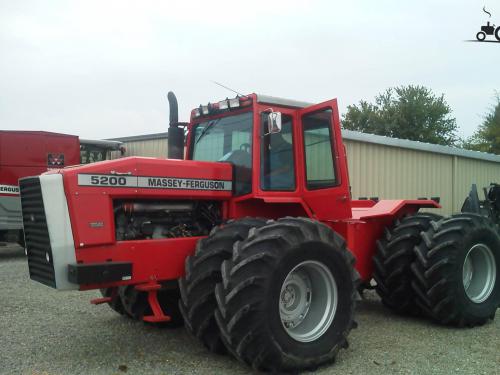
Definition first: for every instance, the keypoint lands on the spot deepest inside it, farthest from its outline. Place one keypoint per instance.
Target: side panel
(30, 149)
(21, 148)
(361, 240)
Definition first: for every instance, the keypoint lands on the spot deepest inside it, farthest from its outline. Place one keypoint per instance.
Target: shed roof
(419, 146)
(143, 137)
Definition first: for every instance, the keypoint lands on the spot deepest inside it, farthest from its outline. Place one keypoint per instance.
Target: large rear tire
(287, 298)
(393, 260)
(203, 272)
(456, 270)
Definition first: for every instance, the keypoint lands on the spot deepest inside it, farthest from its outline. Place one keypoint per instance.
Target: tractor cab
(282, 151)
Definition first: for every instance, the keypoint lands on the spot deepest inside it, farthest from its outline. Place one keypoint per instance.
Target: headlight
(224, 104)
(234, 103)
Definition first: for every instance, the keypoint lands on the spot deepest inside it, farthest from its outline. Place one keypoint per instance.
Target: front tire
(287, 298)
(456, 270)
(393, 260)
(203, 272)
(481, 36)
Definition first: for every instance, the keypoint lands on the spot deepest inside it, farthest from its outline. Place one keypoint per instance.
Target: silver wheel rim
(479, 273)
(308, 301)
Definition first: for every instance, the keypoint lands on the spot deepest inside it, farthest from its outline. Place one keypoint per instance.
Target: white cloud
(103, 68)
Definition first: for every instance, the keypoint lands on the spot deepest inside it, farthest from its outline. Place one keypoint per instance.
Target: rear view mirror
(274, 123)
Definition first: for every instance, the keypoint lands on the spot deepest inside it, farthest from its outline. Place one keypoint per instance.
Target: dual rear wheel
(393, 259)
(447, 272)
(283, 296)
(203, 273)
(456, 270)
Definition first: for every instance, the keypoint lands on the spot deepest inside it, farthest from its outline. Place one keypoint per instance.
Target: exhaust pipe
(175, 133)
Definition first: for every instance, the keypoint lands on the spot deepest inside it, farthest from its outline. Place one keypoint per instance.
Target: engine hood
(91, 190)
(151, 177)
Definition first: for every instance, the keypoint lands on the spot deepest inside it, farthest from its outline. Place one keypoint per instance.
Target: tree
(487, 136)
(407, 112)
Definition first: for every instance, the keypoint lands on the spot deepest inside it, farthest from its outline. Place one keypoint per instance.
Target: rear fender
(368, 224)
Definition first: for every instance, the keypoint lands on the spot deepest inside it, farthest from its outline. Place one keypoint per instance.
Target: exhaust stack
(175, 133)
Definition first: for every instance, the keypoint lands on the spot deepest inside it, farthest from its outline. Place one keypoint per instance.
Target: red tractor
(253, 241)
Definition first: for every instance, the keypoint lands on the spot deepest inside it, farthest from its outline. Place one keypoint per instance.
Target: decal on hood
(154, 182)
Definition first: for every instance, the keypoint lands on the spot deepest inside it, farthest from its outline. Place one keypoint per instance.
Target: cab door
(325, 178)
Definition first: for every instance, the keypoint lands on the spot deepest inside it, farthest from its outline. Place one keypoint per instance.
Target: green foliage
(487, 136)
(407, 112)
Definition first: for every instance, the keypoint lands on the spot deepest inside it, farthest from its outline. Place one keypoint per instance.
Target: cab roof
(281, 101)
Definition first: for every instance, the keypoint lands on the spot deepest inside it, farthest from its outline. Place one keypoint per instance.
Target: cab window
(277, 159)
(88, 155)
(318, 148)
(227, 139)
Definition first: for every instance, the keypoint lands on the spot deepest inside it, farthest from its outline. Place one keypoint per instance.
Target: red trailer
(28, 153)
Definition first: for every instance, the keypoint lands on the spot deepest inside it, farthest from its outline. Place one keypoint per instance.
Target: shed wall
(151, 147)
(398, 173)
(472, 171)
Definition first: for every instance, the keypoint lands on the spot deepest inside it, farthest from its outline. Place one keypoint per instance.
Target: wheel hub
(479, 273)
(308, 301)
(295, 299)
(288, 296)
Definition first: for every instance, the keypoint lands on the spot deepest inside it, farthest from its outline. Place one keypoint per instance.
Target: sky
(102, 69)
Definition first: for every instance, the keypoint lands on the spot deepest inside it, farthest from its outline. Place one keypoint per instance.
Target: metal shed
(397, 168)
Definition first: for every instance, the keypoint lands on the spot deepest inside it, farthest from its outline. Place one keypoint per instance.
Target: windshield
(227, 139)
(89, 155)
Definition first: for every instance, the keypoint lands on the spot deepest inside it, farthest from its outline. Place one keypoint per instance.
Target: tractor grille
(40, 262)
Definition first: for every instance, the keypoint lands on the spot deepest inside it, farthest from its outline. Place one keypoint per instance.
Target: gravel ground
(44, 331)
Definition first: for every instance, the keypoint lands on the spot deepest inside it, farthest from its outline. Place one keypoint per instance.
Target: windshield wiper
(207, 128)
